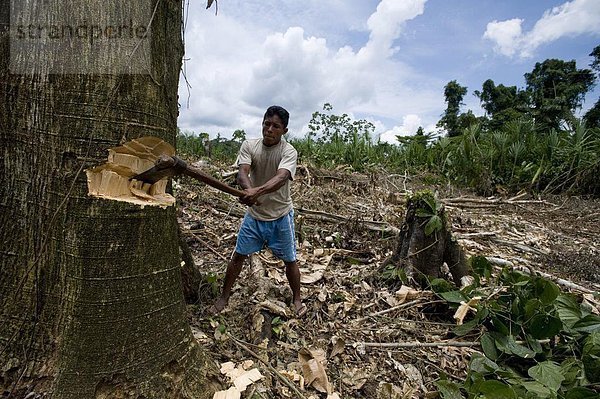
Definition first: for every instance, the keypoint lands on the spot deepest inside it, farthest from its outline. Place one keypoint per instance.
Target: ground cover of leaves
(364, 336)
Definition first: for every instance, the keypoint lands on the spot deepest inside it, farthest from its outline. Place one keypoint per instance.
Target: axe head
(165, 166)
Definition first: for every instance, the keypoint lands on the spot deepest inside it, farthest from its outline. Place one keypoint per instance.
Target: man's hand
(251, 196)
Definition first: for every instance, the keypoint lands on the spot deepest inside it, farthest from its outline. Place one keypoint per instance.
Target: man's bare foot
(300, 308)
(218, 306)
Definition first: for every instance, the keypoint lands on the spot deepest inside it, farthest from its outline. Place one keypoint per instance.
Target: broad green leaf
(454, 296)
(489, 347)
(482, 365)
(481, 266)
(572, 369)
(465, 328)
(511, 346)
(547, 373)
(537, 389)
(434, 224)
(500, 326)
(534, 344)
(581, 393)
(533, 307)
(591, 357)
(588, 324)
(546, 291)
(508, 345)
(568, 310)
(448, 390)
(493, 389)
(544, 326)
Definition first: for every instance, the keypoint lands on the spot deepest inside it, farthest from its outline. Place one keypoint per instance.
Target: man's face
(272, 130)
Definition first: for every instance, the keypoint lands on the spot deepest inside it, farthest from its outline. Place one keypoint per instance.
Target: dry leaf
(313, 370)
(311, 277)
(338, 346)
(464, 308)
(406, 294)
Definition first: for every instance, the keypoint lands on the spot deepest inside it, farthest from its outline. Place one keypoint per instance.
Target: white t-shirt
(264, 162)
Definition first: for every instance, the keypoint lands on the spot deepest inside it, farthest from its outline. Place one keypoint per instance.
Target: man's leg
(292, 273)
(234, 267)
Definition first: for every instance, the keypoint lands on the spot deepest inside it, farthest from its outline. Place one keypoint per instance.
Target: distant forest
(529, 138)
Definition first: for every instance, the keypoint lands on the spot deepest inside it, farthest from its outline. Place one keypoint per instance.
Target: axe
(169, 166)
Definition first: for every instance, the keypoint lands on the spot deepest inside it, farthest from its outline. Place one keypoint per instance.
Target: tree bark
(91, 300)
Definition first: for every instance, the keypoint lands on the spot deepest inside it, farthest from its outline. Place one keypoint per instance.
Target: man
(266, 167)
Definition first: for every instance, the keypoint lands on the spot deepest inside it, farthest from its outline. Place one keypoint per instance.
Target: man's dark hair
(280, 112)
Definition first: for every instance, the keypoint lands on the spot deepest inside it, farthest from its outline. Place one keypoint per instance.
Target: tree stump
(426, 242)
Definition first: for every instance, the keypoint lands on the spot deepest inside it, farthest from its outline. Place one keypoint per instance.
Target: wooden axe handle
(211, 181)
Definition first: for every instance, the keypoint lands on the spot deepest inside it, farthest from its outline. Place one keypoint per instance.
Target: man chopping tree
(266, 167)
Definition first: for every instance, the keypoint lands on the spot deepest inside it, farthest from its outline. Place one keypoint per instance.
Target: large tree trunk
(91, 301)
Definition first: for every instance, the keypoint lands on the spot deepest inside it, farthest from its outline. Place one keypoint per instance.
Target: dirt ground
(362, 337)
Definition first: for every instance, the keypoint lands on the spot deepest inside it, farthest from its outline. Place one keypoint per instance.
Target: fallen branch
(529, 270)
(416, 344)
(372, 225)
(271, 368)
(413, 344)
(494, 201)
(401, 306)
(220, 255)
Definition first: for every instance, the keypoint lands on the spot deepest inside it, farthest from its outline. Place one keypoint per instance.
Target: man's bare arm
(253, 193)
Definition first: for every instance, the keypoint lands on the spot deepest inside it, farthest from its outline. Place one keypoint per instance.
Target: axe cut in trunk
(137, 172)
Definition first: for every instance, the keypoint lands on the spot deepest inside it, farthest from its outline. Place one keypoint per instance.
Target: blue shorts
(278, 235)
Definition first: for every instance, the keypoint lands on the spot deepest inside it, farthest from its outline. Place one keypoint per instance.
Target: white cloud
(570, 19)
(238, 67)
(505, 34)
(410, 125)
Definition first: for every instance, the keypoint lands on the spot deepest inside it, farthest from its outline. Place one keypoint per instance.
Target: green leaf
(571, 368)
(581, 393)
(508, 345)
(448, 390)
(500, 326)
(568, 310)
(493, 389)
(537, 389)
(482, 365)
(532, 307)
(482, 266)
(465, 328)
(546, 291)
(588, 324)
(454, 296)
(434, 224)
(544, 326)
(547, 373)
(591, 357)
(489, 347)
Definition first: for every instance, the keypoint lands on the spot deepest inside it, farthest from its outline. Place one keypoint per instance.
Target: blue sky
(385, 61)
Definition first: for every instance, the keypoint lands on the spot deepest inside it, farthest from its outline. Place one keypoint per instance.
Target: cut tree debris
(362, 338)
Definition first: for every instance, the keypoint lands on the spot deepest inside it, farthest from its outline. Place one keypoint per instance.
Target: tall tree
(557, 89)
(91, 303)
(501, 103)
(453, 94)
(592, 117)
